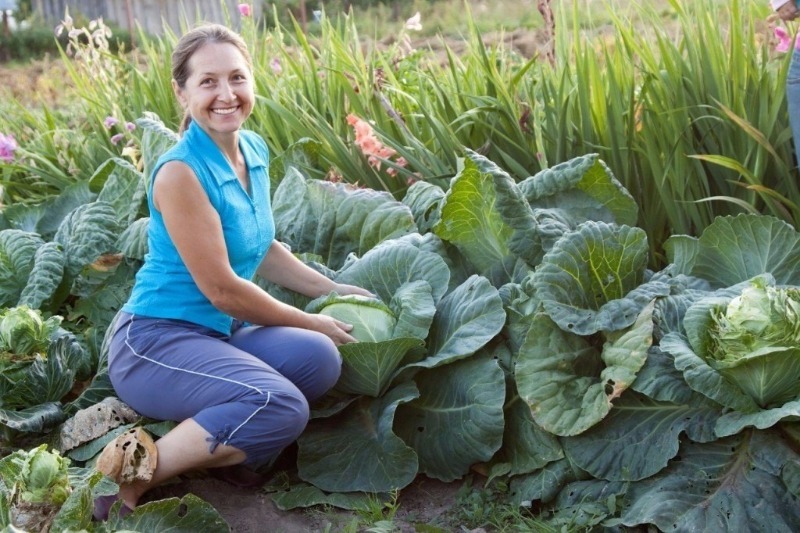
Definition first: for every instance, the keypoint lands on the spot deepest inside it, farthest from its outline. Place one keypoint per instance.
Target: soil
(425, 501)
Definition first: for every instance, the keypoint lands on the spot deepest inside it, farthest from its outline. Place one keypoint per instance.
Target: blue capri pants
(249, 390)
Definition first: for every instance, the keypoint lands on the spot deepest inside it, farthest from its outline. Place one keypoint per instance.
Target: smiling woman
(198, 342)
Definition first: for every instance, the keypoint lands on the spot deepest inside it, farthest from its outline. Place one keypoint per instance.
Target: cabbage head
(754, 342)
(372, 320)
(23, 331)
(37, 476)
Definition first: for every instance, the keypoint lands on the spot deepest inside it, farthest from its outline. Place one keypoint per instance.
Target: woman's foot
(103, 504)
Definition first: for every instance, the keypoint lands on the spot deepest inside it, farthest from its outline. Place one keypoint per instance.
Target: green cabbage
(23, 331)
(754, 342)
(46, 480)
(37, 476)
(371, 319)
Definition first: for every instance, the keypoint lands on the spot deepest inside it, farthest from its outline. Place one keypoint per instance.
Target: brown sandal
(131, 456)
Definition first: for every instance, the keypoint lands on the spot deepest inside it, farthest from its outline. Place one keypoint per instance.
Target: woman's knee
(274, 427)
(325, 357)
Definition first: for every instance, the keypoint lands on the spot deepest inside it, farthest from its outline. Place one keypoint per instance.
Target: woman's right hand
(336, 330)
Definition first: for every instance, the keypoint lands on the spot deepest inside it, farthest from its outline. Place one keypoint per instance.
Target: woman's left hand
(342, 289)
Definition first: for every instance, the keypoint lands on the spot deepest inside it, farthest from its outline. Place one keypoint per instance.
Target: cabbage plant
(753, 341)
(24, 332)
(39, 365)
(739, 346)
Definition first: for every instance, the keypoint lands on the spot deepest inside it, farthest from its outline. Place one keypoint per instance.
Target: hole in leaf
(420, 429)
(182, 510)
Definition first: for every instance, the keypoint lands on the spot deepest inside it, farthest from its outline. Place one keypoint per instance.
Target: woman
(179, 350)
(787, 10)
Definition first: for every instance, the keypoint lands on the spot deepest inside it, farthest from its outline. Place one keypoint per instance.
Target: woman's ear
(178, 93)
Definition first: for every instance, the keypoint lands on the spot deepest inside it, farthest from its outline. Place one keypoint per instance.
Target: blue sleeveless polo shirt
(164, 287)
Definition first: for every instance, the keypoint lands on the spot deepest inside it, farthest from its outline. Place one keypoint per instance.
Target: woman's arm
(196, 230)
(280, 266)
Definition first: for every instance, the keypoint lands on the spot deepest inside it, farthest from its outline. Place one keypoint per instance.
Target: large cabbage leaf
(639, 437)
(334, 220)
(457, 420)
(594, 278)
(568, 382)
(387, 267)
(732, 484)
(424, 199)
(735, 249)
(358, 450)
(156, 139)
(471, 221)
(125, 191)
(17, 257)
(45, 217)
(526, 446)
(583, 187)
(544, 484)
(133, 240)
(465, 321)
(45, 276)
(189, 513)
(89, 231)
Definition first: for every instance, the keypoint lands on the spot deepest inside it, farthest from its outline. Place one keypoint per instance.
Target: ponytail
(187, 119)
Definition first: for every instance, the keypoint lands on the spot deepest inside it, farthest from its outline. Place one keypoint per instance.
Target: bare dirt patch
(425, 501)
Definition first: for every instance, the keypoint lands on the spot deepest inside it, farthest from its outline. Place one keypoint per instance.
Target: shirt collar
(203, 142)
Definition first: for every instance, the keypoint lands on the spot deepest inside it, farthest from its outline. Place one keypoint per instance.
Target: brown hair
(190, 43)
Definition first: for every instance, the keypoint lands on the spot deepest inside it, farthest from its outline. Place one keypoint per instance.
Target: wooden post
(303, 16)
(131, 23)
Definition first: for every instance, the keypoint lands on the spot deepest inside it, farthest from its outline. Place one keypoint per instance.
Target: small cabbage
(46, 480)
(23, 331)
(37, 476)
(754, 342)
(371, 319)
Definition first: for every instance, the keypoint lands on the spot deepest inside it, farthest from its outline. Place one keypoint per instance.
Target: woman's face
(219, 91)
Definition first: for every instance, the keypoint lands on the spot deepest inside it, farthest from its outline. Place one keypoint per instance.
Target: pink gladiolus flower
(783, 39)
(110, 122)
(414, 23)
(244, 10)
(369, 144)
(276, 67)
(130, 126)
(7, 147)
(115, 139)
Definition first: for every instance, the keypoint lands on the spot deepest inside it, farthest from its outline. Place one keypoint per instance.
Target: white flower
(414, 23)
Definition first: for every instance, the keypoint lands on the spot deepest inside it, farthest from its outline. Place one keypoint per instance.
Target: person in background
(787, 10)
(198, 342)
